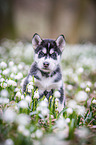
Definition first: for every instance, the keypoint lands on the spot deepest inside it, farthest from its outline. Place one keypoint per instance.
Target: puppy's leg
(61, 103)
(24, 85)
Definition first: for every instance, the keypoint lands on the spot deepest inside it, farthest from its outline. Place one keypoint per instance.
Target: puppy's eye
(54, 55)
(41, 54)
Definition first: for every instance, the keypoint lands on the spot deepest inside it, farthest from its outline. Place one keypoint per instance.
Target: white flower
(20, 66)
(69, 110)
(62, 134)
(16, 90)
(18, 94)
(46, 100)
(14, 69)
(21, 128)
(11, 82)
(4, 101)
(12, 75)
(9, 141)
(9, 115)
(67, 120)
(88, 83)
(3, 65)
(30, 87)
(80, 110)
(38, 133)
(94, 101)
(6, 71)
(22, 97)
(81, 96)
(43, 104)
(11, 63)
(4, 93)
(30, 79)
(69, 87)
(23, 119)
(19, 76)
(4, 85)
(57, 94)
(56, 101)
(80, 70)
(87, 89)
(82, 132)
(28, 99)
(72, 104)
(45, 111)
(83, 85)
(2, 80)
(23, 104)
(61, 123)
(26, 132)
(43, 108)
(36, 94)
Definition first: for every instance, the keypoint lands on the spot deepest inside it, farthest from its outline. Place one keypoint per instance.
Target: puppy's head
(47, 52)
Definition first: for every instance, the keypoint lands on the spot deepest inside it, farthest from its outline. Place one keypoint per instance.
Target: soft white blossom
(36, 94)
(69, 110)
(80, 110)
(82, 132)
(2, 80)
(72, 104)
(23, 104)
(57, 94)
(9, 141)
(23, 119)
(69, 87)
(11, 82)
(38, 133)
(4, 93)
(87, 89)
(18, 94)
(11, 63)
(81, 96)
(62, 134)
(4, 100)
(67, 120)
(9, 115)
(61, 123)
(3, 65)
(19, 76)
(6, 72)
(28, 99)
(3, 85)
(88, 83)
(26, 132)
(94, 101)
(29, 87)
(80, 70)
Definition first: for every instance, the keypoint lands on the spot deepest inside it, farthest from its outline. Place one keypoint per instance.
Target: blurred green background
(76, 19)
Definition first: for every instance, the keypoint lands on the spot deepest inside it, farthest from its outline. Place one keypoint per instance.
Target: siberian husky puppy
(46, 67)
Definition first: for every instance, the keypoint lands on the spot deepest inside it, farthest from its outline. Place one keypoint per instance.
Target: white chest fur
(47, 83)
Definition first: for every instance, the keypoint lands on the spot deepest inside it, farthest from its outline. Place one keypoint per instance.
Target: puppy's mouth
(45, 69)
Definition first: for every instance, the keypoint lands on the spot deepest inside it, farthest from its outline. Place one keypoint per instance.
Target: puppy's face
(47, 52)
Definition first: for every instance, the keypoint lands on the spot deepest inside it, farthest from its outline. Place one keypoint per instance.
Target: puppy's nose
(46, 64)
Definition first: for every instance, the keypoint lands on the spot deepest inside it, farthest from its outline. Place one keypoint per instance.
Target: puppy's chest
(47, 83)
(44, 83)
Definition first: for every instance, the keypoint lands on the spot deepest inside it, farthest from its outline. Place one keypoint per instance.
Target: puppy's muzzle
(45, 64)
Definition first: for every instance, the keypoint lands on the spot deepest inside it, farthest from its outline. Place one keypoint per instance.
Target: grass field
(25, 121)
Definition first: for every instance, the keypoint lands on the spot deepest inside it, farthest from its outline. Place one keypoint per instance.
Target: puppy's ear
(36, 40)
(60, 41)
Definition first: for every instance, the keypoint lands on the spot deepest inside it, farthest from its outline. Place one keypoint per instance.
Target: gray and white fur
(46, 66)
